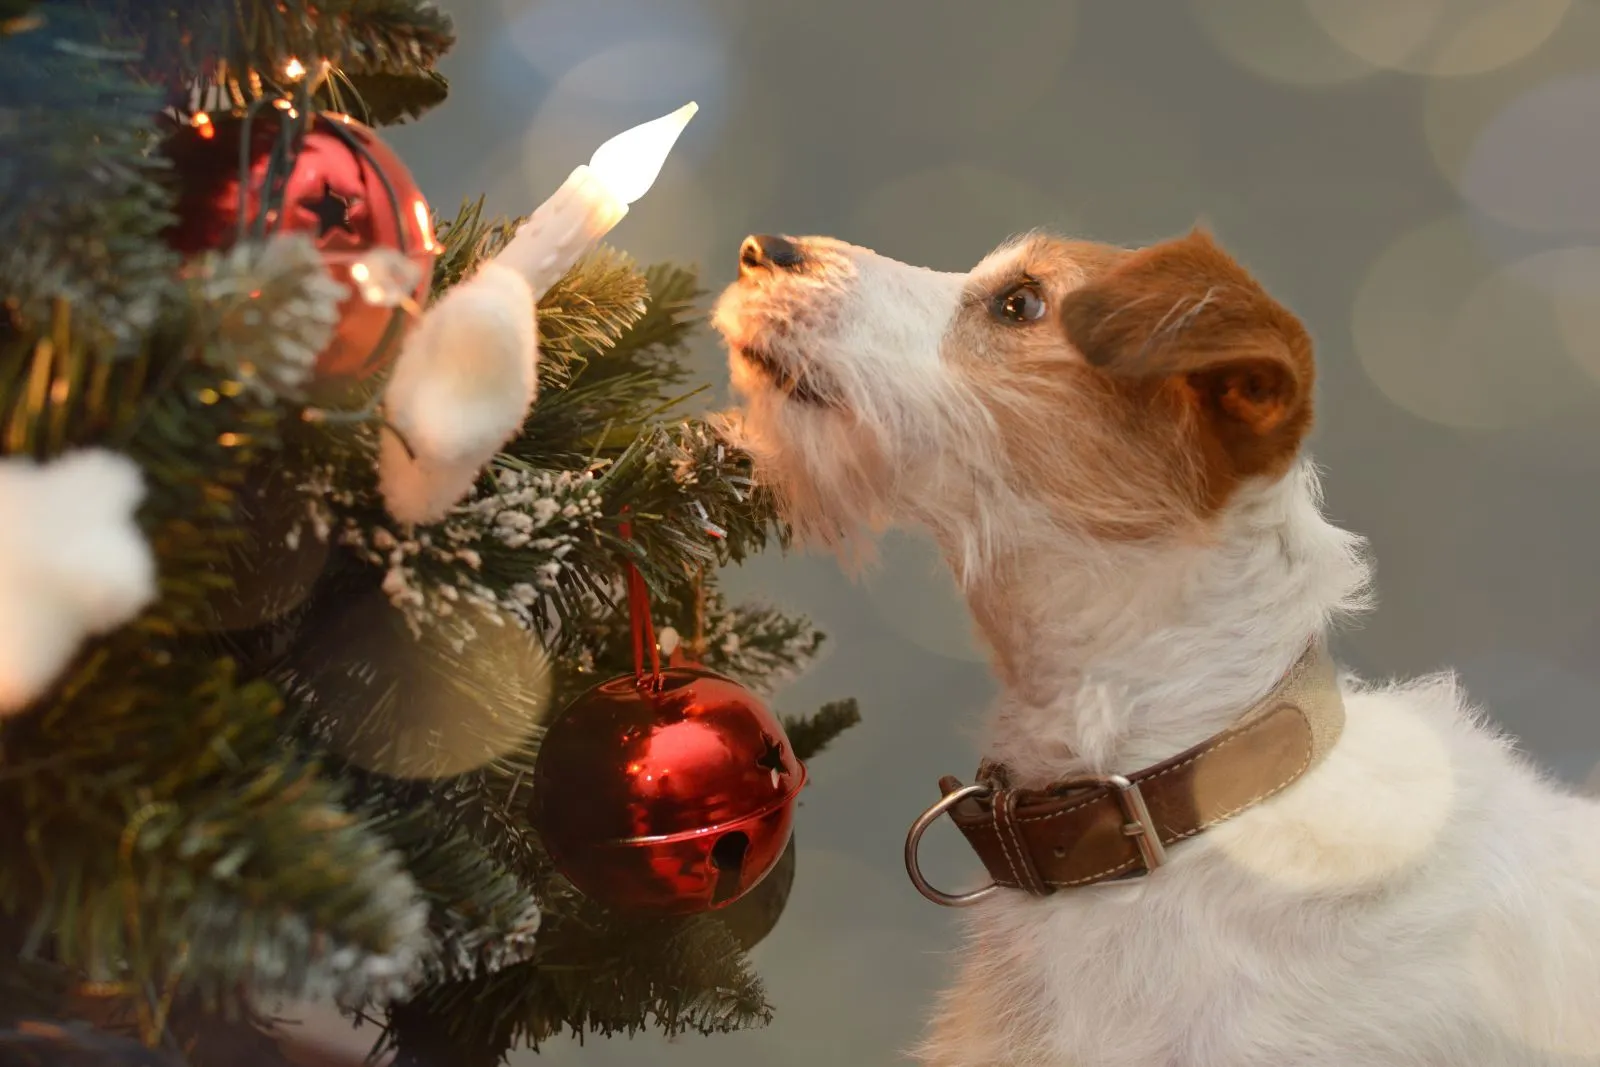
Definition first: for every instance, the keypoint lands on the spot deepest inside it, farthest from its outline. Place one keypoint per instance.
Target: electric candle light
(592, 200)
(468, 369)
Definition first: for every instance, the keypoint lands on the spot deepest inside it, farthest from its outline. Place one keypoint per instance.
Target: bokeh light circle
(1277, 40)
(659, 70)
(1456, 111)
(1456, 339)
(1571, 277)
(1533, 165)
(555, 36)
(946, 69)
(610, 65)
(434, 706)
(1443, 38)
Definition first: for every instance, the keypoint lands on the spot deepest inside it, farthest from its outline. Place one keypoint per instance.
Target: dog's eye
(1020, 304)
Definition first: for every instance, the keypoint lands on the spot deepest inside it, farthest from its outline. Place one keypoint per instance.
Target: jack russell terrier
(1206, 848)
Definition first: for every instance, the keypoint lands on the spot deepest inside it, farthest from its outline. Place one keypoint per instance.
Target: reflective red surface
(347, 191)
(679, 798)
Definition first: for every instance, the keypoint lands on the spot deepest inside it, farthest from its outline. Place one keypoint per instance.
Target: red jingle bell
(327, 176)
(672, 793)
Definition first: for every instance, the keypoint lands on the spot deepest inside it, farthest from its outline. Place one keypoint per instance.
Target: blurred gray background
(1416, 178)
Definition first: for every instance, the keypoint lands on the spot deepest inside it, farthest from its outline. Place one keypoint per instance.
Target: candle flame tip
(629, 162)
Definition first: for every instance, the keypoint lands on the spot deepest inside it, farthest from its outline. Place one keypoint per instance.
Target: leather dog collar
(1099, 828)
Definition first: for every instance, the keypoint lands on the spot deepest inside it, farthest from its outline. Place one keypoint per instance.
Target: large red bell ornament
(329, 177)
(670, 792)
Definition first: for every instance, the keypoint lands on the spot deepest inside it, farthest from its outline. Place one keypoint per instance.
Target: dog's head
(1115, 394)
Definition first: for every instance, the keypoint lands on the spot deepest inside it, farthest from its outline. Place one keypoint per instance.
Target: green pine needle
(810, 735)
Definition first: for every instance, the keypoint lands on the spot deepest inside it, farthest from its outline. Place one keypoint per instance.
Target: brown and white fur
(1107, 445)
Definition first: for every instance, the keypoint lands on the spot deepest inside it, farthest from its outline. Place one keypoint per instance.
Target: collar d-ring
(914, 840)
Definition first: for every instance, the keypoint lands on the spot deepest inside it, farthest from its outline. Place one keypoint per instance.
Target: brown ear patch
(1257, 395)
(1185, 312)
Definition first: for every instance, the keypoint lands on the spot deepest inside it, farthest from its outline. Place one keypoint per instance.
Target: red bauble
(673, 795)
(342, 186)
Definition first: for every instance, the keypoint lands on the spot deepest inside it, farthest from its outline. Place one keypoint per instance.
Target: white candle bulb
(468, 369)
(629, 162)
(593, 199)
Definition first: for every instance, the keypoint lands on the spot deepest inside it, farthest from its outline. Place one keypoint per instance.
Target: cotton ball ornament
(73, 563)
(467, 374)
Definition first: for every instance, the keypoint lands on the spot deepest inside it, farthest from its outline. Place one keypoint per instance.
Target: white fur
(461, 388)
(73, 562)
(1422, 897)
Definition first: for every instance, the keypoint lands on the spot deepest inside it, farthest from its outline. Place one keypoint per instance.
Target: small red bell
(345, 189)
(672, 792)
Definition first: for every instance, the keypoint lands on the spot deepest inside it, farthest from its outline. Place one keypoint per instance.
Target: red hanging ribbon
(643, 627)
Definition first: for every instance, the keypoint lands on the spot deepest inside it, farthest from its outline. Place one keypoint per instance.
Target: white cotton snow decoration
(465, 379)
(73, 562)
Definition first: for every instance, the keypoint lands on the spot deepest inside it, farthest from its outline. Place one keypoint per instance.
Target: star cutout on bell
(772, 758)
(331, 210)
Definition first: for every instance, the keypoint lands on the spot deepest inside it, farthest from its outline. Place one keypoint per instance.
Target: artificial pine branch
(467, 240)
(263, 311)
(481, 917)
(188, 41)
(383, 98)
(81, 205)
(603, 973)
(762, 646)
(603, 300)
(810, 734)
(158, 833)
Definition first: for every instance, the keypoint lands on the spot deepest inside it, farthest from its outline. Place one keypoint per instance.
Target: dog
(1107, 445)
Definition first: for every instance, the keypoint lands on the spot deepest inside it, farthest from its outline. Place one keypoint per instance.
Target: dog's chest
(1212, 963)
(1381, 913)
(1141, 975)
(1130, 975)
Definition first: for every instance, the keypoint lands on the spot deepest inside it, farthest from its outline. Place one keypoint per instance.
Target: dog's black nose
(766, 252)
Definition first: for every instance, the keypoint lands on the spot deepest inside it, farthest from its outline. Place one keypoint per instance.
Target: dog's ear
(1184, 311)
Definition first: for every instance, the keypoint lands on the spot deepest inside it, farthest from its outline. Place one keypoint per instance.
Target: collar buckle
(1140, 826)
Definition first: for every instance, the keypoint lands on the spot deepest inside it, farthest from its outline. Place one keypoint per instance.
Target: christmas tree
(259, 738)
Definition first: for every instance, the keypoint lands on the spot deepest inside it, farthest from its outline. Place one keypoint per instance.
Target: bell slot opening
(727, 856)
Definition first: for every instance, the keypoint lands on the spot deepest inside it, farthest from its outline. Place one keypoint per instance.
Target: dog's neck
(1114, 657)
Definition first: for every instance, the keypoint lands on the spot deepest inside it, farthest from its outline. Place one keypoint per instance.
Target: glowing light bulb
(593, 199)
(294, 70)
(425, 224)
(627, 165)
